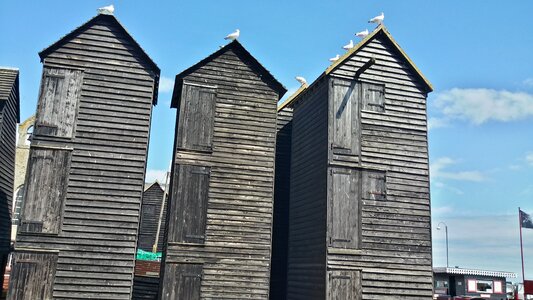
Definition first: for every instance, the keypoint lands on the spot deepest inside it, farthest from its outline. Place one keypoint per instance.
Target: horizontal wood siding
(395, 254)
(150, 213)
(235, 253)
(280, 228)
(308, 195)
(9, 104)
(145, 288)
(100, 221)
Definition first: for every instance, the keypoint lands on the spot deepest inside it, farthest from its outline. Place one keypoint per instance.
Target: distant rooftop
(462, 271)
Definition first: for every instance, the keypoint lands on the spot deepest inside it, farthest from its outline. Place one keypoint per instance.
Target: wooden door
(344, 209)
(46, 190)
(344, 285)
(188, 211)
(32, 276)
(196, 118)
(58, 102)
(345, 118)
(182, 281)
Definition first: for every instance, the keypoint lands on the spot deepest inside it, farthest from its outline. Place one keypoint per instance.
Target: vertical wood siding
(395, 252)
(235, 255)
(98, 235)
(9, 103)
(280, 227)
(308, 192)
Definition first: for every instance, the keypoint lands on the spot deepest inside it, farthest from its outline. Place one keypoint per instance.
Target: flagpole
(521, 245)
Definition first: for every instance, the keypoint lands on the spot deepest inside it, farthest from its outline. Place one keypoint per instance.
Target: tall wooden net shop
(325, 196)
(78, 230)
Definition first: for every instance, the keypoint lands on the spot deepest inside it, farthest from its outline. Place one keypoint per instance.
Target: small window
(374, 185)
(373, 97)
(58, 102)
(441, 284)
(29, 136)
(196, 119)
(484, 286)
(498, 287)
(148, 210)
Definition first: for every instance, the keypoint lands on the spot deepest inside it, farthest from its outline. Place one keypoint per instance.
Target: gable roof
(238, 48)
(380, 30)
(109, 18)
(9, 80)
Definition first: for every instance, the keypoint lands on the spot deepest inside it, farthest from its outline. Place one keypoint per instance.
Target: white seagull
(233, 36)
(362, 34)
(378, 19)
(301, 80)
(349, 46)
(334, 59)
(106, 10)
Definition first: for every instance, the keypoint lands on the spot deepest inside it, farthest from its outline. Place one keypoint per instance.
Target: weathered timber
(9, 117)
(219, 220)
(280, 228)
(359, 207)
(81, 209)
(152, 204)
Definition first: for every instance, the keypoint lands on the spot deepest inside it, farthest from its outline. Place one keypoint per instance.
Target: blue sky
(477, 54)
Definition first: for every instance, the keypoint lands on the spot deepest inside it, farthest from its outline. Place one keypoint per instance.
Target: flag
(525, 220)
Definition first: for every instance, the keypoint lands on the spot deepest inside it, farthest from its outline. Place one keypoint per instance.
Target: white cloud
(153, 175)
(529, 159)
(437, 123)
(166, 84)
(528, 82)
(481, 105)
(437, 170)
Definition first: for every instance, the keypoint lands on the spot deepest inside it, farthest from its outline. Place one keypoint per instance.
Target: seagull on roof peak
(234, 35)
(106, 10)
(377, 19)
(349, 46)
(334, 59)
(301, 80)
(362, 34)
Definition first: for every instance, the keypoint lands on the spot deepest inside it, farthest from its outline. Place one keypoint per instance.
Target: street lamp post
(446, 231)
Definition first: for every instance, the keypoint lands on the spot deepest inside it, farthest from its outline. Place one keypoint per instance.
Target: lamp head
(438, 227)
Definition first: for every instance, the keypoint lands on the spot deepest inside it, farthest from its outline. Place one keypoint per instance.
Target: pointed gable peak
(100, 18)
(381, 32)
(240, 51)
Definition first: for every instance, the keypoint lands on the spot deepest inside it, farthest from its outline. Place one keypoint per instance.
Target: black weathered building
(359, 212)
(80, 216)
(9, 117)
(219, 226)
(153, 217)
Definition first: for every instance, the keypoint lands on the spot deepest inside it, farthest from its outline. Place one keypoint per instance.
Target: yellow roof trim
(359, 45)
(292, 97)
(352, 51)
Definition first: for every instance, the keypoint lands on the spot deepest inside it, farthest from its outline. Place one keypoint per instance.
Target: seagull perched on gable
(377, 19)
(362, 34)
(334, 59)
(301, 80)
(233, 36)
(106, 10)
(349, 46)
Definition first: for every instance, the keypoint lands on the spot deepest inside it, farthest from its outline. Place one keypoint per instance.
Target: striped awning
(462, 271)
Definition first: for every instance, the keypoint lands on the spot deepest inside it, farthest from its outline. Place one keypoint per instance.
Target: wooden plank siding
(152, 203)
(106, 146)
(376, 154)
(280, 228)
(9, 117)
(308, 190)
(220, 247)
